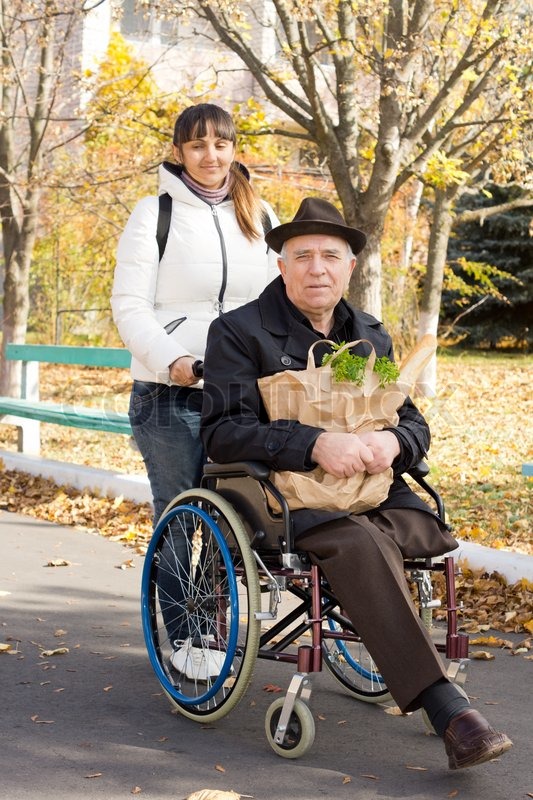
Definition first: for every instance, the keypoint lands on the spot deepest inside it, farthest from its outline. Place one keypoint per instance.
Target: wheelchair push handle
(198, 369)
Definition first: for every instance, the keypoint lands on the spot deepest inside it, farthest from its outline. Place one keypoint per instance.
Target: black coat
(264, 337)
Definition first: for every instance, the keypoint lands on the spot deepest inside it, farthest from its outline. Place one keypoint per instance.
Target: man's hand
(385, 447)
(345, 454)
(342, 454)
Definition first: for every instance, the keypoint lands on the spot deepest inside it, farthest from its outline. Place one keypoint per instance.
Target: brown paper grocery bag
(319, 489)
(313, 397)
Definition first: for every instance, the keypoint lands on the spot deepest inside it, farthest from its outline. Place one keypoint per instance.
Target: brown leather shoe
(470, 740)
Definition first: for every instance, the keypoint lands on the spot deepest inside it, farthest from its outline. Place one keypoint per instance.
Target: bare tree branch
(481, 214)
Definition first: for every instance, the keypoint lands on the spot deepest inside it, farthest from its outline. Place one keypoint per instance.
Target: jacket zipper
(220, 301)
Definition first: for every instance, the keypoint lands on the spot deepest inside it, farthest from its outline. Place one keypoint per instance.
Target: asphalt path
(92, 722)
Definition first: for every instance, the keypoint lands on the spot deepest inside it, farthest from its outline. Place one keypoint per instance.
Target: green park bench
(28, 411)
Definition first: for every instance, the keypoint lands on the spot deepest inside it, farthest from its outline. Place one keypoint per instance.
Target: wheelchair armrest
(418, 473)
(419, 470)
(238, 469)
(261, 472)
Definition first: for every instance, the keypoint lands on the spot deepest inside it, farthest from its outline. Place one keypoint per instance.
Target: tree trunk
(441, 227)
(16, 304)
(414, 197)
(20, 172)
(365, 284)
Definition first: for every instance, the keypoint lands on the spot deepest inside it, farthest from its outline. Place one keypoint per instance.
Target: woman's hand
(181, 373)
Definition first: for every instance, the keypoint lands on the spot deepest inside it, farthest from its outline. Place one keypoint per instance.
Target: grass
(481, 421)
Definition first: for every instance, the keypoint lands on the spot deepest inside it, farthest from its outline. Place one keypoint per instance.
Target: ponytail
(248, 207)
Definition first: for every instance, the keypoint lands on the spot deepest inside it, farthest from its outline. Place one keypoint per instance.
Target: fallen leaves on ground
(34, 496)
(396, 711)
(128, 564)
(476, 458)
(213, 794)
(482, 428)
(487, 600)
(58, 651)
(271, 687)
(492, 641)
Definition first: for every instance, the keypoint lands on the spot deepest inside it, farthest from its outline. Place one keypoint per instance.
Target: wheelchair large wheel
(352, 665)
(200, 595)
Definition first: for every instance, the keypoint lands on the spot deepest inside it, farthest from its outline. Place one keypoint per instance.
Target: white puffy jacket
(208, 266)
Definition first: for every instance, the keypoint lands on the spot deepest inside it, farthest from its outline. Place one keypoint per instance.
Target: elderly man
(361, 555)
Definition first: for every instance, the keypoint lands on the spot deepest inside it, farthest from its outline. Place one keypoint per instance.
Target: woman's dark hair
(195, 122)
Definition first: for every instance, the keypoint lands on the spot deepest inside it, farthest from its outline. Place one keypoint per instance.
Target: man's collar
(275, 296)
(271, 301)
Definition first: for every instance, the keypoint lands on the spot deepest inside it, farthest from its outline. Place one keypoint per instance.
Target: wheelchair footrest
(457, 671)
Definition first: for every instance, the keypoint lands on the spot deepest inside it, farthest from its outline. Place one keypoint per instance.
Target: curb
(97, 481)
(513, 566)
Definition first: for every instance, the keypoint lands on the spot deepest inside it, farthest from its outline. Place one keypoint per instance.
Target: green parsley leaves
(349, 367)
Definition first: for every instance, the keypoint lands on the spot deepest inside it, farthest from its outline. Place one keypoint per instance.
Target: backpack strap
(165, 213)
(163, 222)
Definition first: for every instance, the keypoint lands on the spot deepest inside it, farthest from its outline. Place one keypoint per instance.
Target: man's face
(316, 271)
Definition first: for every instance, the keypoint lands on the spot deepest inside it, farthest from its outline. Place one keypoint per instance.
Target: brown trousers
(362, 558)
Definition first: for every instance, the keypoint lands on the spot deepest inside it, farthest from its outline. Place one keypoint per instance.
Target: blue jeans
(165, 421)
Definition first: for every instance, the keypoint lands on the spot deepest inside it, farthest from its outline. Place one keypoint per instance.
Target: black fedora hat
(316, 216)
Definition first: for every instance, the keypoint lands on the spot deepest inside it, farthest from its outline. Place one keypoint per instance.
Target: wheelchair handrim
(145, 608)
(352, 662)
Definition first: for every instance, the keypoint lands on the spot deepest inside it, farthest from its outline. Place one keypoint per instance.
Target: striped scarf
(211, 196)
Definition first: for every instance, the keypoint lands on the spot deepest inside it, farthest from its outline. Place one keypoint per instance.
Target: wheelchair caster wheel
(300, 733)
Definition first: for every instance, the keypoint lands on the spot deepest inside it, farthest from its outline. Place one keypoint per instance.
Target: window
(139, 21)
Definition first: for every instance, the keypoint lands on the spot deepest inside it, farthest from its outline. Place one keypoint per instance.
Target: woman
(215, 259)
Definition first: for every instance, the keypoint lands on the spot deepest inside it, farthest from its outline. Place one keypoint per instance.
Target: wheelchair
(221, 573)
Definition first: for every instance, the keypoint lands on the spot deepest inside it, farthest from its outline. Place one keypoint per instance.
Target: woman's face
(207, 159)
